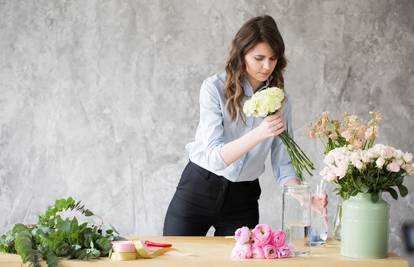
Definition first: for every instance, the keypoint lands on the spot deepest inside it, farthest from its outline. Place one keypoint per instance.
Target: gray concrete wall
(99, 98)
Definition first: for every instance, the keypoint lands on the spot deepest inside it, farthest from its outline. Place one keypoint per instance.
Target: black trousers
(204, 199)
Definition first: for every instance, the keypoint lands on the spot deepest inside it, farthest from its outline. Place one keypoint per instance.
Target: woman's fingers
(273, 125)
(319, 204)
(277, 127)
(273, 117)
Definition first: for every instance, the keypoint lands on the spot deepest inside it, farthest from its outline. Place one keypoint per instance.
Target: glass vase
(296, 217)
(336, 229)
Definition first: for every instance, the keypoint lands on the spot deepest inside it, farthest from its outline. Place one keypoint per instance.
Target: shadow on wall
(408, 237)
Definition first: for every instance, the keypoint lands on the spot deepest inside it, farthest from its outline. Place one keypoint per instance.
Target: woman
(219, 186)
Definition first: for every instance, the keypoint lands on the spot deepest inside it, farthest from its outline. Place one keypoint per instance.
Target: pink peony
(241, 251)
(270, 252)
(284, 252)
(261, 234)
(278, 239)
(242, 235)
(257, 252)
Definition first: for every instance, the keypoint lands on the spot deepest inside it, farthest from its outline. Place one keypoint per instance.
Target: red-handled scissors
(160, 245)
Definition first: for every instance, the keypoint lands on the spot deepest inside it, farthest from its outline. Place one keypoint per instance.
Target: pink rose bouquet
(260, 243)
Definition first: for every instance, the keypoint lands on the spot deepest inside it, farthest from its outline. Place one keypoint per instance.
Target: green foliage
(55, 237)
(7, 242)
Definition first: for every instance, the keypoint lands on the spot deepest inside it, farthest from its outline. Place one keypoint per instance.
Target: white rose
(330, 176)
(329, 159)
(327, 174)
(387, 152)
(398, 153)
(408, 168)
(393, 166)
(366, 156)
(340, 171)
(359, 165)
(407, 157)
(355, 156)
(380, 162)
(376, 150)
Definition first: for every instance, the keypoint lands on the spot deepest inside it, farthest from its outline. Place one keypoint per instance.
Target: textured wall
(98, 98)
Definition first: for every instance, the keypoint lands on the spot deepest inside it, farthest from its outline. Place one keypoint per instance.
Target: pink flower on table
(242, 235)
(254, 242)
(261, 234)
(241, 251)
(278, 239)
(257, 252)
(284, 252)
(270, 252)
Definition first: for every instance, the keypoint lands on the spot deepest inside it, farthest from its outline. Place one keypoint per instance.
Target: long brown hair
(256, 30)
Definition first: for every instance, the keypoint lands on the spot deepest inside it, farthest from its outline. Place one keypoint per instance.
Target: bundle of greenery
(55, 236)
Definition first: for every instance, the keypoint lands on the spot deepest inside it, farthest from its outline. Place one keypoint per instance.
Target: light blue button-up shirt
(216, 129)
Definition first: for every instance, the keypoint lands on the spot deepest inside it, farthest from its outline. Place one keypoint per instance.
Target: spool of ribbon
(143, 253)
(123, 246)
(135, 249)
(123, 256)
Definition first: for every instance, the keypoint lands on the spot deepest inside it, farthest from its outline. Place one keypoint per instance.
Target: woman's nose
(266, 65)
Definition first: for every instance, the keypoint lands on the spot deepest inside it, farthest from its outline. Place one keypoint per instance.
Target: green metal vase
(365, 227)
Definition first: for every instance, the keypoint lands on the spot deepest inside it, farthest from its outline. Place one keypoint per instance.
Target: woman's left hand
(320, 204)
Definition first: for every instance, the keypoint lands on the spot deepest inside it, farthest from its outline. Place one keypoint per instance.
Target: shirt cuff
(216, 161)
(283, 180)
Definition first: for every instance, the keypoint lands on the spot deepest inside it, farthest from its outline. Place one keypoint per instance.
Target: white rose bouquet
(374, 170)
(354, 163)
(267, 102)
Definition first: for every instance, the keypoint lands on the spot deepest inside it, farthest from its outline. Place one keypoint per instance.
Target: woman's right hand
(271, 126)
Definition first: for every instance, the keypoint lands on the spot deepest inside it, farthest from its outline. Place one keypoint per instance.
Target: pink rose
(257, 252)
(284, 252)
(241, 251)
(242, 235)
(261, 234)
(278, 239)
(270, 252)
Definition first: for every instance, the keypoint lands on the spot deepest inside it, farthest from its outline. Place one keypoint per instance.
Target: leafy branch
(54, 237)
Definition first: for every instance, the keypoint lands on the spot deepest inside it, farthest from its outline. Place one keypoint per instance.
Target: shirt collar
(248, 89)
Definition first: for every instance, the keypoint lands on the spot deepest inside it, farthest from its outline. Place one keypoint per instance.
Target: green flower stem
(298, 152)
(297, 148)
(295, 160)
(299, 159)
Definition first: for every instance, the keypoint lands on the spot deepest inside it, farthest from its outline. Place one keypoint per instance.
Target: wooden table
(215, 252)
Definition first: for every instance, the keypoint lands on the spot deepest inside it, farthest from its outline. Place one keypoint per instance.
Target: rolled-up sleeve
(282, 165)
(210, 128)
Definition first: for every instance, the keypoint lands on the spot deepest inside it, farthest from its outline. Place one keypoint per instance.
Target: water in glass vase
(298, 236)
(319, 230)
